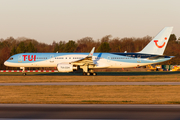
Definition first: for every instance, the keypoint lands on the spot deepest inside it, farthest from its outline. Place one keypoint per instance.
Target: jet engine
(65, 67)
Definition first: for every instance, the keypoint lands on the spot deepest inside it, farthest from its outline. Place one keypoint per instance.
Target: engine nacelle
(64, 67)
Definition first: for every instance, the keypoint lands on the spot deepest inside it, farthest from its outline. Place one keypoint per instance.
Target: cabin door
(108, 59)
(51, 58)
(20, 58)
(138, 58)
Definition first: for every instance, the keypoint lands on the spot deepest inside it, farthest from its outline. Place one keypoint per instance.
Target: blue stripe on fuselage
(121, 57)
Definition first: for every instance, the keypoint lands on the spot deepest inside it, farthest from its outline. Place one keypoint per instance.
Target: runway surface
(98, 73)
(92, 83)
(90, 111)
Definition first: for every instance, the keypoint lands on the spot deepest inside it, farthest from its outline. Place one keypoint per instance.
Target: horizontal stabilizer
(159, 57)
(156, 57)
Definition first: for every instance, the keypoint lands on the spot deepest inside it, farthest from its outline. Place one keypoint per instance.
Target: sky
(63, 20)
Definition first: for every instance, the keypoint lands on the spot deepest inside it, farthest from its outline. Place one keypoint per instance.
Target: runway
(125, 73)
(90, 111)
(92, 83)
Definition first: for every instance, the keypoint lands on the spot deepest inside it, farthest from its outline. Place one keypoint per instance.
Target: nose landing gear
(23, 70)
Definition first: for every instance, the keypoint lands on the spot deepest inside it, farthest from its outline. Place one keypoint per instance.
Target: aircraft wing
(85, 61)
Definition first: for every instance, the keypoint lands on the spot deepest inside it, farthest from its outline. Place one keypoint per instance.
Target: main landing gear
(88, 73)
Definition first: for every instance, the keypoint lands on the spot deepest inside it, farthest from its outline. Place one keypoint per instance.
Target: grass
(90, 94)
(131, 78)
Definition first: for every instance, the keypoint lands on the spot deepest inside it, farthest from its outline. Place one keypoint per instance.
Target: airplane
(70, 62)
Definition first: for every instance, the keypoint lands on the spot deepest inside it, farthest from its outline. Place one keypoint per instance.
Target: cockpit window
(11, 58)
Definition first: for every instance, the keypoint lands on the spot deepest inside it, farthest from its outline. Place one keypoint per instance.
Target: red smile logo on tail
(160, 46)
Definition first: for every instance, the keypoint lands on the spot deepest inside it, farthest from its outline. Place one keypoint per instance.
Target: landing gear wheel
(94, 74)
(24, 73)
(84, 73)
(88, 73)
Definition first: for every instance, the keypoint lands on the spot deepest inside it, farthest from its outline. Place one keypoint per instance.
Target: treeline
(11, 46)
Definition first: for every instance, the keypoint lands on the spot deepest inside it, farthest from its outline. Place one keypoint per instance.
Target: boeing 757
(69, 62)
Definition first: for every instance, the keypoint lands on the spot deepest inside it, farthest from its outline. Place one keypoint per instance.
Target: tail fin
(158, 44)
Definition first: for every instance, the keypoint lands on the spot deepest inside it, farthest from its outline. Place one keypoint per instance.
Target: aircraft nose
(5, 63)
